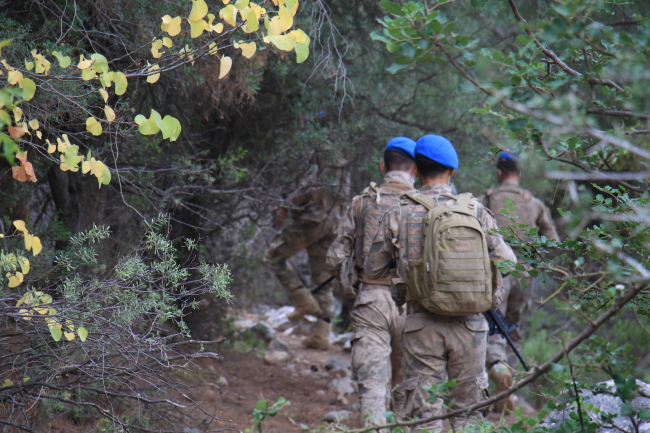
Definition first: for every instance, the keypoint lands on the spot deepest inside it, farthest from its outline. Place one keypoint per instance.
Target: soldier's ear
(382, 167)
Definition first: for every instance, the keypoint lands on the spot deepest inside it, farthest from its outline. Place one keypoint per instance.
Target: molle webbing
(521, 201)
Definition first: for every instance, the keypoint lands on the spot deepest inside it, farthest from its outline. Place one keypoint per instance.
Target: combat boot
(305, 304)
(320, 339)
(500, 375)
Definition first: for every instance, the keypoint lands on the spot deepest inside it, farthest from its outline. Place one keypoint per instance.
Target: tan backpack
(455, 275)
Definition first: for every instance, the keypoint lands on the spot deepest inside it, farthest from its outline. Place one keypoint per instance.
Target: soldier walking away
(516, 303)
(377, 357)
(318, 207)
(443, 255)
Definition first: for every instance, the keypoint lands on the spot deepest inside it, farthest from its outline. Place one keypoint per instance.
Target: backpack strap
(359, 228)
(422, 199)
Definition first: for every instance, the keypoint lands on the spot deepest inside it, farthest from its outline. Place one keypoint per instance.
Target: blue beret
(402, 144)
(508, 155)
(438, 149)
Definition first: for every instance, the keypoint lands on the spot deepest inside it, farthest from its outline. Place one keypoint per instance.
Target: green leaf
(392, 8)
(100, 63)
(56, 332)
(120, 83)
(627, 409)
(29, 88)
(72, 158)
(516, 124)
(170, 126)
(533, 273)
(511, 206)
(644, 414)
(395, 67)
(147, 126)
(302, 52)
(532, 232)
(82, 333)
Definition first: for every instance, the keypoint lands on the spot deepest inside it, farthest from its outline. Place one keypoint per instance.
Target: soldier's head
(399, 156)
(436, 159)
(508, 167)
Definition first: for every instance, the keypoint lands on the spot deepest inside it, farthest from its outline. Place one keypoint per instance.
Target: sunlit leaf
(64, 61)
(167, 42)
(224, 66)
(18, 114)
(292, 5)
(286, 20)
(24, 265)
(169, 126)
(153, 78)
(86, 166)
(110, 114)
(84, 63)
(147, 126)
(171, 25)
(104, 94)
(93, 126)
(69, 335)
(248, 50)
(229, 15)
(283, 42)
(252, 25)
(34, 124)
(83, 333)
(120, 83)
(29, 89)
(199, 10)
(36, 245)
(51, 148)
(55, 330)
(14, 77)
(100, 63)
(88, 74)
(15, 279)
(29, 65)
(155, 47)
(20, 226)
(197, 28)
(63, 143)
(72, 157)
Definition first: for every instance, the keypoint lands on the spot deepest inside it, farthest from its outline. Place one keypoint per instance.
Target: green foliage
(263, 411)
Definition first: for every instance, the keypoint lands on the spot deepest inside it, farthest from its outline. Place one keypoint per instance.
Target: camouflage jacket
(342, 247)
(384, 254)
(528, 208)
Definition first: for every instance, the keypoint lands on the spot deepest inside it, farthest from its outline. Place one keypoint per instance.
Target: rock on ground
(338, 416)
(337, 362)
(222, 382)
(278, 345)
(276, 358)
(608, 404)
(341, 386)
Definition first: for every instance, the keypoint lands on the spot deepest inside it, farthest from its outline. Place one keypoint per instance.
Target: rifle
(497, 324)
(321, 285)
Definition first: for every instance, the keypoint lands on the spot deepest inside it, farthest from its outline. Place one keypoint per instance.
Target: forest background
(248, 140)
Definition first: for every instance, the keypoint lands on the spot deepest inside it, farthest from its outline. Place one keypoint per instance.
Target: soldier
(437, 346)
(318, 207)
(377, 358)
(531, 211)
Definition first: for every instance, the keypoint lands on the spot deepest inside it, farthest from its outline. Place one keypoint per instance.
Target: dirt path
(303, 381)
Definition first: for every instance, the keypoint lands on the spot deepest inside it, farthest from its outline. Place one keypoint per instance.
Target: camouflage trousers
(440, 348)
(515, 307)
(315, 237)
(377, 357)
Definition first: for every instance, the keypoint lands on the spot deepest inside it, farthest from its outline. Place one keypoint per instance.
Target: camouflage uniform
(436, 347)
(377, 357)
(516, 303)
(311, 228)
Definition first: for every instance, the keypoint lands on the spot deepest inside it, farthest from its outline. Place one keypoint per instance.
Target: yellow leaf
(24, 265)
(7, 382)
(252, 25)
(197, 28)
(64, 61)
(120, 83)
(225, 1)
(167, 42)
(20, 226)
(50, 147)
(199, 10)
(293, 8)
(34, 124)
(286, 20)
(229, 15)
(41, 310)
(23, 312)
(18, 114)
(217, 28)
(15, 280)
(36, 245)
(259, 11)
(28, 241)
(88, 74)
(110, 114)
(39, 134)
(83, 333)
(93, 126)
(63, 143)
(275, 27)
(224, 66)
(171, 25)
(14, 77)
(153, 78)
(104, 94)
(29, 65)
(86, 166)
(241, 4)
(84, 63)
(301, 37)
(69, 335)
(283, 42)
(248, 50)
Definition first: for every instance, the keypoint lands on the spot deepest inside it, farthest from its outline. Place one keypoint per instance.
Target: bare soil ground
(303, 381)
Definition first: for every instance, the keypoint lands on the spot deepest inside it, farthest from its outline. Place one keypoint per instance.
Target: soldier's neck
(510, 180)
(444, 179)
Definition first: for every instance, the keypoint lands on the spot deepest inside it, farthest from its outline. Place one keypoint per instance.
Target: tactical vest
(521, 200)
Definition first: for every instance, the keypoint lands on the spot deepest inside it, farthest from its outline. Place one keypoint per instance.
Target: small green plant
(263, 410)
